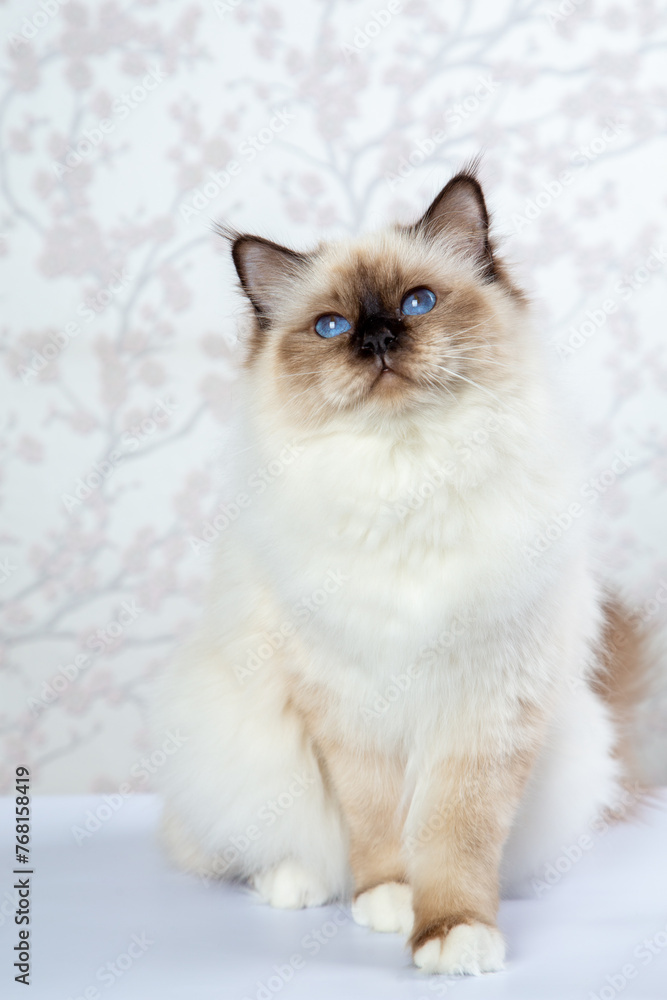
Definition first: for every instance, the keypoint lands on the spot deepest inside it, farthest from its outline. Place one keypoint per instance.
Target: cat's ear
(459, 215)
(266, 272)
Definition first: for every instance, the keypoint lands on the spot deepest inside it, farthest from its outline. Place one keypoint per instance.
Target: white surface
(561, 69)
(217, 942)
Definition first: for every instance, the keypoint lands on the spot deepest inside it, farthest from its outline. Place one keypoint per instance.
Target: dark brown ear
(266, 271)
(459, 215)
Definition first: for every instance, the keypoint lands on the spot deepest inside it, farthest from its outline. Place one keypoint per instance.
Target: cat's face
(407, 318)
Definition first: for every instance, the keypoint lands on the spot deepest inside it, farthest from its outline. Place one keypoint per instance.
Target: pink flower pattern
(120, 308)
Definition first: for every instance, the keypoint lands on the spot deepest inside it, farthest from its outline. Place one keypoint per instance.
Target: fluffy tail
(629, 680)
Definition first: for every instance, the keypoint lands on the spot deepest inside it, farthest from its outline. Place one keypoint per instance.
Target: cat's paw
(387, 907)
(289, 886)
(467, 949)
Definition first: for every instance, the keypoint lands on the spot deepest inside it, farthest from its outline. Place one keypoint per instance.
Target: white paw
(290, 887)
(468, 949)
(387, 907)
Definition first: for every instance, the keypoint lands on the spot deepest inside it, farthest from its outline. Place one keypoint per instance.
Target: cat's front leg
(369, 787)
(460, 819)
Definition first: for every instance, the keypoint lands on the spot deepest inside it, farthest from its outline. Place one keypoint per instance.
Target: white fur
(392, 586)
(468, 949)
(574, 780)
(387, 908)
(289, 886)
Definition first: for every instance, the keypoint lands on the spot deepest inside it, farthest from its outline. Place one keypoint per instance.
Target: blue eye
(332, 325)
(417, 302)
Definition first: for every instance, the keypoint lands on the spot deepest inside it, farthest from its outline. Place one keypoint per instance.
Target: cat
(408, 687)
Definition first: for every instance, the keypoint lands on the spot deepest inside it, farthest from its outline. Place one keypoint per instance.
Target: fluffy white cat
(407, 687)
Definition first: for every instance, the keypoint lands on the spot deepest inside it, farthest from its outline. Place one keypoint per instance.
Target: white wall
(530, 86)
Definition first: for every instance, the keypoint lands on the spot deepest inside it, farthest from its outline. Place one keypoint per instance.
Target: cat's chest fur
(389, 543)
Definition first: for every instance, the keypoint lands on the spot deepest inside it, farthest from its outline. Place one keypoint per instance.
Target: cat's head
(409, 317)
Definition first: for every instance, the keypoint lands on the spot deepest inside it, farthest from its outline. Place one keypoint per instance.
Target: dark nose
(378, 340)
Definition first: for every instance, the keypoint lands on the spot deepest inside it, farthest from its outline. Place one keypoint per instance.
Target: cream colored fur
(426, 725)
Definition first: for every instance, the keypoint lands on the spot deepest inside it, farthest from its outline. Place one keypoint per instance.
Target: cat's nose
(378, 341)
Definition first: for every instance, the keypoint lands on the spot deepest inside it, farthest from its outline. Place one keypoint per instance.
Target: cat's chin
(390, 392)
(389, 380)
(387, 377)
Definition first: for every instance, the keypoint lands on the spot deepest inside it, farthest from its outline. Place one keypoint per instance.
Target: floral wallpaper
(127, 128)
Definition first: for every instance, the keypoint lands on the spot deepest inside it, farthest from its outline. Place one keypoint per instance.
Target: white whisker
(469, 329)
(437, 383)
(473, 345)
(488, 361)
(470, 382)
(309, 389)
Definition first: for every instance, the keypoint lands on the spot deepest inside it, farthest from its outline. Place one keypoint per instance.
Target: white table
(93, 901)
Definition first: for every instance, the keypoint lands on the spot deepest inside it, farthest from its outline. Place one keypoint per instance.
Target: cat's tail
(632, 681)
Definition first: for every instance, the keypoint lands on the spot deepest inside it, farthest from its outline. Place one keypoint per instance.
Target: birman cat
(406, 689)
